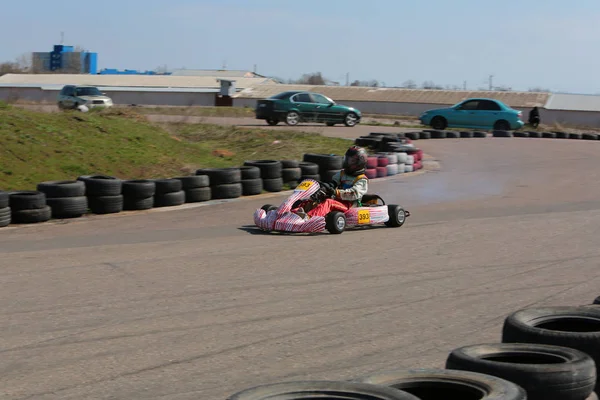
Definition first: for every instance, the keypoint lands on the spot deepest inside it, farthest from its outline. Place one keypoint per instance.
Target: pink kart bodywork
(283, 220)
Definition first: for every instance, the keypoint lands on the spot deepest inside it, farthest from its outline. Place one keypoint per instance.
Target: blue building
(65, 59)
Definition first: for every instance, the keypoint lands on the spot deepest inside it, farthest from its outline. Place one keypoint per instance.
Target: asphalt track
(196, 304)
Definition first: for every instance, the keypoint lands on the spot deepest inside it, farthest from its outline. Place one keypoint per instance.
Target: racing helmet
(355, 160)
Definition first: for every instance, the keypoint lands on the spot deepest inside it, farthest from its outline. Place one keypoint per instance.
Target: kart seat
(371, 199)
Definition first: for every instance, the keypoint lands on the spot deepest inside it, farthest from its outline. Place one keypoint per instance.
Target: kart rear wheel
(335, 222)
(268, 207)
(397, 216)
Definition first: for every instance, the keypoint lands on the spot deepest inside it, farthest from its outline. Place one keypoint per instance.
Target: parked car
(294, 107)
(72, 96)
(474, 113)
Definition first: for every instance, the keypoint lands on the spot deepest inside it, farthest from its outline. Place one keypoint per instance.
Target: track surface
(195, 304)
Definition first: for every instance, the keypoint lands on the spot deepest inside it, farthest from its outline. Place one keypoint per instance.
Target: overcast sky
(552, 44)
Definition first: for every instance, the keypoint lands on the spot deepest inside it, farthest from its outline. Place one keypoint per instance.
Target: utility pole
(347, 78)
(491, 86)
(465, 85)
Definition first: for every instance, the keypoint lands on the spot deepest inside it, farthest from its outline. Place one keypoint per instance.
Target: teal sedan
(485, 114)
(294, 107)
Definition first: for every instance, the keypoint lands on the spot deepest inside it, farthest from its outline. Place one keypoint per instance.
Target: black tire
(198, 195)
(227, 191)
(31, 216)
(252, 187)
(549, 135)
(335, 222)
(327, 176)
(351, 120)
(397, 216)
(268, 207)
(574, 327)
(5, 216)
(545, 372)
(309, 168)
(561, 135)
(193, 181)
(438, 134)
(501, 134)
(139, 188)
(413, 135)
(439, 123)
(502, 125)
(68, 207)
(221, 176)
(291, 174)
(250, 172)
(170, 199)
(520, 134)
(61, 189)
(430, 384)
(164, 186)
(269, 169)
(101, 185)
(290, 164)
(466, 134)
(4, 199)
(137, 203)
(309, 390)
(273, 185)
(589, 136)
(324, 161)
(423, 135)
(106, 204)
(452, 134)
(575, 135)
(27, 200)
(479, 134)
(534, 134)
(369, 142)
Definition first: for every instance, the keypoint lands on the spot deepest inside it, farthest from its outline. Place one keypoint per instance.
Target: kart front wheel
(397, 216)
(335, 222)
(268, 207)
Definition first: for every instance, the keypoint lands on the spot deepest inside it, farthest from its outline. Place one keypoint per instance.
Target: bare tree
(409, 84)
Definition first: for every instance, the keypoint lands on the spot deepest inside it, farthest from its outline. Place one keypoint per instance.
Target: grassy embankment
(37, 146)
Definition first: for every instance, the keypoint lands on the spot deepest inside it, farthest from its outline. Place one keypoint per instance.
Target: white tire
(410, 160)
(401, 168)
(408, 168)
(402, 157)
(392, 169)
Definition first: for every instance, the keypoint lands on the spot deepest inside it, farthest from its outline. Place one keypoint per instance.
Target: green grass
(37, 146)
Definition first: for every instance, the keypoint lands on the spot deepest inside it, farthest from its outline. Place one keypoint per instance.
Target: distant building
(64, 59)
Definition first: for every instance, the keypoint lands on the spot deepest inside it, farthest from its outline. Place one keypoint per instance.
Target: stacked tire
(270, 173)
(138, 194)
(382, 164)
(309, 170)
(104, 193)
(371, 170)
(329, 164)
(66, 199)
(392, 163)
(5, 216)
(169, 193)
(29, 207)
(225, 183)
(196, 188)
(252, 183)
(291, 172)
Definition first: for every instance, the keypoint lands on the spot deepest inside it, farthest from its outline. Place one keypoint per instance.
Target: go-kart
(308, 194)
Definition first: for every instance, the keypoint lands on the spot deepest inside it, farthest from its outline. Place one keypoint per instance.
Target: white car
(71, 97)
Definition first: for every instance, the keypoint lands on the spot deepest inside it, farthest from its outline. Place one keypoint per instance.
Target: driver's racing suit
(348, 192)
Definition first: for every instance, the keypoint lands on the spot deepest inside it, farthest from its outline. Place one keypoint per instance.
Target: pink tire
(382, 161)
(371, 173)
(381, 172)
(372, 162)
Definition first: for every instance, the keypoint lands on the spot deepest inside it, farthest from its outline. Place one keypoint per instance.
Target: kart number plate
(303, 186)
(364, 216)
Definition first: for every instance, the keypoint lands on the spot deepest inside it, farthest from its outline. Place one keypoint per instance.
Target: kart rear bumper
(287, 222)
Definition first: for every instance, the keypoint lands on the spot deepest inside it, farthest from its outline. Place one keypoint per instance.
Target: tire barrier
(386, 141)
(102, 194)
(169, 193)
(546, 353)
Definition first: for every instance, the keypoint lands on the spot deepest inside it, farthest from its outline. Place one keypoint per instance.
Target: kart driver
(348, 186)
